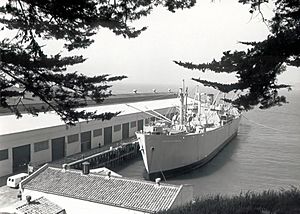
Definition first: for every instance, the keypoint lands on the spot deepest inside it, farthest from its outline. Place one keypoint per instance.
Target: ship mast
(181, 95)
(199, 101)
(186, 102)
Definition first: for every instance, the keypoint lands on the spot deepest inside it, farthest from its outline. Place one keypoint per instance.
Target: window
(73, 138)
(3, 154)
(43, 145)
(97, 132)
(133, 124)
(117, 128)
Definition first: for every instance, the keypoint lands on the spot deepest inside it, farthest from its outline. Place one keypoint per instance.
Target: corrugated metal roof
(9, 124)
(40, 206)
(128, 193)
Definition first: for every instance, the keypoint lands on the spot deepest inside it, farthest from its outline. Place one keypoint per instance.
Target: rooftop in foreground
(127, 193)
(41, 206)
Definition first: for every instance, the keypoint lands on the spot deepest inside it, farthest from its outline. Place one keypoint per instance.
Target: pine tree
(23, 61)
(257, 68)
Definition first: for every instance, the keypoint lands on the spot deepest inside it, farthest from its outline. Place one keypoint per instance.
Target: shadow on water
(127, 164)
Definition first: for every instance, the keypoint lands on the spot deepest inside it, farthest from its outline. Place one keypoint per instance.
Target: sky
(196, 35)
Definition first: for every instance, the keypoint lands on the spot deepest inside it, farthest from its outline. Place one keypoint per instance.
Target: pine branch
(226, 88)
(258, 67)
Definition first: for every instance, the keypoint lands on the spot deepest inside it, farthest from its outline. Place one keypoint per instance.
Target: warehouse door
(125, 131)
(21, 157)
(58, 148)
(107, 135)
(140, 125)
(85, 141)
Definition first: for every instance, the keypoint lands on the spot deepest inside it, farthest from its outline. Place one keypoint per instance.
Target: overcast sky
(197, 35)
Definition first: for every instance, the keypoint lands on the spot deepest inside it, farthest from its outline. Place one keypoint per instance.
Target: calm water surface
(264, 155)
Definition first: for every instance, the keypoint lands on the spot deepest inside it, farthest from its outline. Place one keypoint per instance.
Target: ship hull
(169, 155)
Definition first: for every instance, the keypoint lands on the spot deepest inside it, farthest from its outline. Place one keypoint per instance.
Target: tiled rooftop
(122, 192)
(40, 206)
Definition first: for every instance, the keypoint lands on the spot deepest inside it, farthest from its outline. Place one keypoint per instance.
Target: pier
(110, 156)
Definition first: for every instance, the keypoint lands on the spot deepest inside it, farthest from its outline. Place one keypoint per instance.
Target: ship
(197, 130)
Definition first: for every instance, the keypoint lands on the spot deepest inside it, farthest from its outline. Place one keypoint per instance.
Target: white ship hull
(166, 155)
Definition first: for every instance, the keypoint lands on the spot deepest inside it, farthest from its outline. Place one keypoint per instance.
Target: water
(265, 155)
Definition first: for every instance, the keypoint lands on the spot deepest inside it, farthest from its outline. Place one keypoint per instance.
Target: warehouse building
(46, 138)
